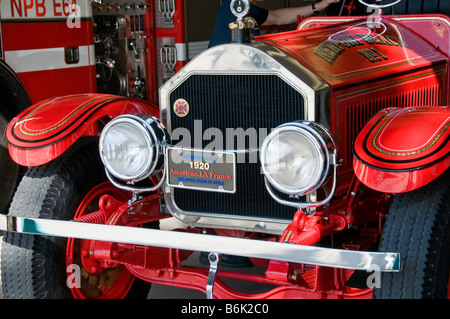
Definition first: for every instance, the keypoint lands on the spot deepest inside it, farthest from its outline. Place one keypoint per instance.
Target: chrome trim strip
(135, 189)
(378, 6)
(312, 255)
(310, 21)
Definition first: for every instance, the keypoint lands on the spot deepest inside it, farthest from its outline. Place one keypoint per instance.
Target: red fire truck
(53, 48)
(321, 154)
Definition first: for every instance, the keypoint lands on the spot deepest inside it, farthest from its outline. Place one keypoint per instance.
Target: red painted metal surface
(51, 78)
(399, 182)
(353, 106)
(435, 29)
(104, 272)
(164, 265)
(82, 80)
(45, 130)
(357, 51)
(312, 288)
(308, 230)
(97, 280)
(178, 32)
(304, 230)
(400, 150)
(61, 35)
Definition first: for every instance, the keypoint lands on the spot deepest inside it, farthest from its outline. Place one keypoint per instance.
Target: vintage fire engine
(321, 154)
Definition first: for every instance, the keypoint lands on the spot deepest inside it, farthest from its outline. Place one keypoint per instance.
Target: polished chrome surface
(317, 135)
(155, 137)
(132, 188)
(379, 6)
(213, 259)
(235, 59)
(238, 59)
(323, 137)
(349, 259)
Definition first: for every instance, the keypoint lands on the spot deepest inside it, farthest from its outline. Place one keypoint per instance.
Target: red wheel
(97, 279)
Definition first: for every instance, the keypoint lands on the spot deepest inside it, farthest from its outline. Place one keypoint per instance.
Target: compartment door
(50, 45)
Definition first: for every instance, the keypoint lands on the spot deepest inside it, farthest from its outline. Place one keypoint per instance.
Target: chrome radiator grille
(248, 102)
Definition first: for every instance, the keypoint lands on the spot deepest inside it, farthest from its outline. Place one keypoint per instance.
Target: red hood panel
(356, 51)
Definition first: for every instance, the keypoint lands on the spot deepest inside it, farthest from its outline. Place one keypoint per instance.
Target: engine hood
(356, 51)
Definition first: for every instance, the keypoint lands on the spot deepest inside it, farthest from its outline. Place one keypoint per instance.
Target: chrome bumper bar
(336, 258)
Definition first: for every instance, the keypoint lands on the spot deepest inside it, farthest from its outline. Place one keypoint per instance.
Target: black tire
(418, 227)
(33, 267)
(9, 170)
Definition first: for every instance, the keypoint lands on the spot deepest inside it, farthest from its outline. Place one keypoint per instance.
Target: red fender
(400, 150)
(45, 130)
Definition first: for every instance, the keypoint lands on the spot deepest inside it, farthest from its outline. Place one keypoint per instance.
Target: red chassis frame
(165, 265)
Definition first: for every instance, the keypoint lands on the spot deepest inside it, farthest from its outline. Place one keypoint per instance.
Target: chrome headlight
(131, 146)
(295, 157)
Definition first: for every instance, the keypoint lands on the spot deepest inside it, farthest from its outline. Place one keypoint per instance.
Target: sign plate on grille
(202, 170)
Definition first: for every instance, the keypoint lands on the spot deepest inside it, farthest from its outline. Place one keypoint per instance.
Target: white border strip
(46, 59)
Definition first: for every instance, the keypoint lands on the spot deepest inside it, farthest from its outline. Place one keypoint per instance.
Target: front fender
(45, 130)
(400, 150)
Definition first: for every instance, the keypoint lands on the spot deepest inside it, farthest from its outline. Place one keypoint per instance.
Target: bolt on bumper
(312, 255)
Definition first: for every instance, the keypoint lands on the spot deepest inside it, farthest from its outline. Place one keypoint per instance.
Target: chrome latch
(213, 264)
(167, 9)
(169, 59)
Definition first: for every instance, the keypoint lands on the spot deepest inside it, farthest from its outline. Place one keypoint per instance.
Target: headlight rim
(155, 136)
(321, 140)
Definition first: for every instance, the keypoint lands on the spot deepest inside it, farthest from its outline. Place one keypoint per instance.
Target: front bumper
(312, 255)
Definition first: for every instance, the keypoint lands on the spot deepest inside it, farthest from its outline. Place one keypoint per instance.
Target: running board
(312, 255)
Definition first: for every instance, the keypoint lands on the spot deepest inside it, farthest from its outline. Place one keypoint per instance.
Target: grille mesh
(236, 101)
(359, 112)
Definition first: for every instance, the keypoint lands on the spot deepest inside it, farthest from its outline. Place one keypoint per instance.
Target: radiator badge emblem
(181, 107)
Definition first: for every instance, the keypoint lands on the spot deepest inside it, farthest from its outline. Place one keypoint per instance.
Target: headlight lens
(130, 146)
(295, 158)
